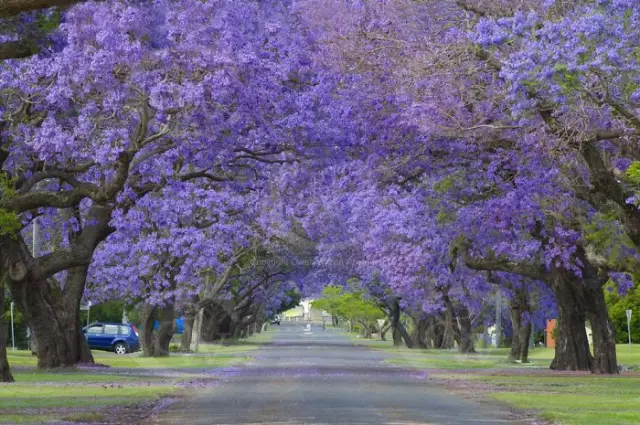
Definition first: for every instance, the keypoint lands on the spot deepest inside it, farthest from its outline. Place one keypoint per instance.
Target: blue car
(117, 337)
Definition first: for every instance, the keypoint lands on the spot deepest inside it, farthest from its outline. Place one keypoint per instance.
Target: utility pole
(35, 251)
(498, 318)
(13, 335)
(629, 327)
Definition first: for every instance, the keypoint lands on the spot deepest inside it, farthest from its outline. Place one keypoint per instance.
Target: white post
(498, 318)
(88, 312)
(629, 327)
(13, 335)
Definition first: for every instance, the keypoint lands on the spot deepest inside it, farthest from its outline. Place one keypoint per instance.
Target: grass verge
(567, 398)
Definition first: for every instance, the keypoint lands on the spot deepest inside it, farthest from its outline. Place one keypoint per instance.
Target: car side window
(123, 330)
(111, 329)
(95, 329)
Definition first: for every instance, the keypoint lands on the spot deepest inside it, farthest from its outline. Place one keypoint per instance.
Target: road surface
(319, 377)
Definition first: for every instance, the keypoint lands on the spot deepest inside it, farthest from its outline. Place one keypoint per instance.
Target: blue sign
(179, 325)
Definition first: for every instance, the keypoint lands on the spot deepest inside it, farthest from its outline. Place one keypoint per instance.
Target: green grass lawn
(213, 358)
(27, 395)
(567, 400)
(79, 395)
(489, 358)
(581, 399)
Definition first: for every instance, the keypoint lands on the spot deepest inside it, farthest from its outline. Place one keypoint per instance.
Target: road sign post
(88, 309)
(13, 335)
(629, 327)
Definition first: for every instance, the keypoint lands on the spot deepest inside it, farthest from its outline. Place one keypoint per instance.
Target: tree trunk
(166, 330)
(420, 337)
(430, 333)
(521, 330)
(196, 334)
(53, 315)
(210, 327)
(5, 371)
(384, 329)
(52, 310)
(187, 334)
(394, 319)
(465, 328)
(572, 346)
(603, 331)
(448, 333)
(148, 319)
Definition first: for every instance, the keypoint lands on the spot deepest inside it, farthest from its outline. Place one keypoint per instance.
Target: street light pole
(498, 317)
(13, 335)
(629, 328)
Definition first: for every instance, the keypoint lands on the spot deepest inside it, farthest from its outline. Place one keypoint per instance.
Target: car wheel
(120, 348)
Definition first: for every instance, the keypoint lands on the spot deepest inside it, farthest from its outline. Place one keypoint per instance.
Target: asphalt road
(319, 377)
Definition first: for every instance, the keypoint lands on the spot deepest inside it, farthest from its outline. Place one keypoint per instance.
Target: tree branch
(14, 50)
(14, 7)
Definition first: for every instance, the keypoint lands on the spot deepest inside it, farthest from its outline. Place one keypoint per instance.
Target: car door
(110, 334)
(94, 336)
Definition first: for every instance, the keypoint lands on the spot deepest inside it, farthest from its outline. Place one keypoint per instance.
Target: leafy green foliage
(605, 235)
(618, 305)
(350, 306)
(292, 300)
(633, 173)
(9, 222)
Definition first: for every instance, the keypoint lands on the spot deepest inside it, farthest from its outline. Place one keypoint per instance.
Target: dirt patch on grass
(479, 392)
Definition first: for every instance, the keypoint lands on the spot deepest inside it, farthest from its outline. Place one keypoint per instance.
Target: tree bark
(14, 7)
(384, 329)
(604, 338)
(449, 334)
(196, 334)
(430, 333)
(420, 336)
(148, 319)
(165, 331)
(465, 328)
(5, 371)
(53, 316)
(572, 346)
(394, 319)
(187, 334)
(52, 310)
(521, 330)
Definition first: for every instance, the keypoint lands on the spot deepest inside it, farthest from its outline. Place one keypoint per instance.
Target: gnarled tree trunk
(430, 333)
(449, 334)
(53, 316)
(521, 327)
(465, 329)
(604, 337)
(420, 336)
(398, 331)
(165, 331)
(5, 371)
(384, 329)
(148, 319)
(572, 346)
(52, 311)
